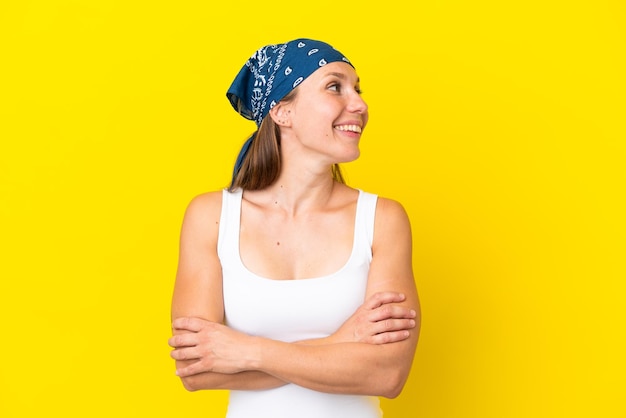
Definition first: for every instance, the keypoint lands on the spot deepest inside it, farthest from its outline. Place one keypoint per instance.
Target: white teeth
(349, 128)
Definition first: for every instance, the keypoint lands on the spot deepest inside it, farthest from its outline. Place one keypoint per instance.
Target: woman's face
(328, 114)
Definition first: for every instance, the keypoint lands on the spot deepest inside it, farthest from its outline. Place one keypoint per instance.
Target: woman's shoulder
(386, 207)
(205, 206)
(391, 213)
(207, 199)
(390, 204)
(392, 226)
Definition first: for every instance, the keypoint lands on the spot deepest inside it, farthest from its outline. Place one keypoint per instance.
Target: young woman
(295, 291)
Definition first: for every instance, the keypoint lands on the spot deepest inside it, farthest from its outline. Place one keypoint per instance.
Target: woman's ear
(280, 114)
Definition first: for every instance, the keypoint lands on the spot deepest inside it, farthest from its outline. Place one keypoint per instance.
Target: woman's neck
(296, 192)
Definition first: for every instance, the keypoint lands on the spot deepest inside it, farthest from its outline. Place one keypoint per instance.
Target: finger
(189, 323)
(389, 337)
(187, 353)
(391, 311)
(392, 325)
(192, 369)
(382, 298)
(183, 340)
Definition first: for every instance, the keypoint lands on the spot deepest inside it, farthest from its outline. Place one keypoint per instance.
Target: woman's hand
(379, 320)
(214, 347)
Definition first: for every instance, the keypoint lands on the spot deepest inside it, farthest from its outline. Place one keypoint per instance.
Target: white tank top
(294, 310)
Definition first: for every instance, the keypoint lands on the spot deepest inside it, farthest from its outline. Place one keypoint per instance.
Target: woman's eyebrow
(341, 76)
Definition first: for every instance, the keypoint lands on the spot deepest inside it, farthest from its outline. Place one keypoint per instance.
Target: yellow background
(498, 124)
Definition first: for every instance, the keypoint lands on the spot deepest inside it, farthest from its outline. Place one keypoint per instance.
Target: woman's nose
(357, 104)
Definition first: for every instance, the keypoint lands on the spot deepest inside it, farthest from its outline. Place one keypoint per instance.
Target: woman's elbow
(393, 392)
(393, 385)
(190, 383)
(397, 373)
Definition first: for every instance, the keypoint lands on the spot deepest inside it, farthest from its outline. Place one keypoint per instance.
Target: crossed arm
(371, 353)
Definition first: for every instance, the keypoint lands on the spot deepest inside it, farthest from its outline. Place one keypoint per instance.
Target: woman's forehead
(336, 69)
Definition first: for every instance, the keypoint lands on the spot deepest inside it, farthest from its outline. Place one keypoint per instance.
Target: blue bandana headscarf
(270, 74)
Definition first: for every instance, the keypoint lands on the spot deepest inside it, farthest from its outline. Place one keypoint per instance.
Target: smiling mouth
(349, 128)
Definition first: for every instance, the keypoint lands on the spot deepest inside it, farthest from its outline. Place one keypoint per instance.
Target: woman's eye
(334, 87)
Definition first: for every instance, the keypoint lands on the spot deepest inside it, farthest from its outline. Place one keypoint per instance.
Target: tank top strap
(364, 222)
(228, 235)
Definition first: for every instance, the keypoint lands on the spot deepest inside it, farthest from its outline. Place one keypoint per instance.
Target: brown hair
(261, 166)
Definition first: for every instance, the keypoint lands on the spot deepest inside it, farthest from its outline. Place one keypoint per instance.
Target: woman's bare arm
(198, 290)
